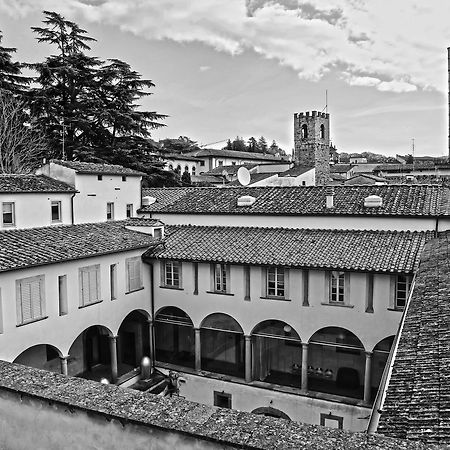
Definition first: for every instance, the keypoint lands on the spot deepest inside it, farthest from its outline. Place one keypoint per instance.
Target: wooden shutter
(30, 299)
(134, 278)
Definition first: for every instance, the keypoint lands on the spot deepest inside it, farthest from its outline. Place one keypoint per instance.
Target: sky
(226, 68)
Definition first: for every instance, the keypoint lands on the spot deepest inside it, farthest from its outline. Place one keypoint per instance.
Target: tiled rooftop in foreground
(398, 200)
(417, 404)
(162, 420)
(378, 251)
(48, 245)
(29, 183)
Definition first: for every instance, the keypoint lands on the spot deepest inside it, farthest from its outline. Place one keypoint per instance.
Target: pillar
(304, 366)
(151, 341)
(63, 361)
(367, 377)
(198, 354)
(113, 353)
(248, 358)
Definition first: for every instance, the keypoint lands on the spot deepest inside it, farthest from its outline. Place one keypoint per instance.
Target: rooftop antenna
(63, 141)
(326, 102)
(413, 150)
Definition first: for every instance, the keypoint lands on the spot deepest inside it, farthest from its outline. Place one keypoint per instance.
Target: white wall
(90, 203)
(370, 328)
(413, 223)
(61, 331)
(182, 163)
(34, 209)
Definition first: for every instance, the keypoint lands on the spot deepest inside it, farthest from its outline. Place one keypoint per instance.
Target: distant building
(181, 163)
(358, 160)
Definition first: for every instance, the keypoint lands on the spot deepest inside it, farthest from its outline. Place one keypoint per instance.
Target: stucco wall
(34, 209)
(61, 331)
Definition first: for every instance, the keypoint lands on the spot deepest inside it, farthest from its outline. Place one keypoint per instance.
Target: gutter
(377, 409)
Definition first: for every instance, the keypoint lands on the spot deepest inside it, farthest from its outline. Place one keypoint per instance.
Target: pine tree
(239, 144)
(11, 79)
(262, 145)
(252, 145)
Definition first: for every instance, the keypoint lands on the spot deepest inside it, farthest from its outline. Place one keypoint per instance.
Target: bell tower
(312, 143)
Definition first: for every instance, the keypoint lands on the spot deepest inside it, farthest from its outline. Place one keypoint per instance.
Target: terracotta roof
(98, 168)
(32, 183)
(235, 154)
(398, 200)
(49, 245)
(378, 251)
(179, 156)
(164, 196)
(254, 178)
(203, 426)
(231, 169)
(417, 404)
(340, 168)
(295, 171)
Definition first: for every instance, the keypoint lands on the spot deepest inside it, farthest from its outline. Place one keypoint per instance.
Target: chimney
(329, 195)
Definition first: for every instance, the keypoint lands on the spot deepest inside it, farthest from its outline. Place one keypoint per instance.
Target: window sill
(9, 225)
(31, 321)
(56, 222)
(176, 288)
(396, 309)
(220, 293)
(283, 299)
(339, 305)
(134, 290)
(90, 304)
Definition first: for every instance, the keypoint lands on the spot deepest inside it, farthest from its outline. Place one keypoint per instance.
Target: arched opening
(41, 356)
(304, 131)
(170, 166)
(186, 168)
(174, 337)
(277, 353)
(336, 363)
(379, 359)
(89, 355)
(133, 341)
(179, 169)
(222, 345)
(193, 170)
(322, 131)
(268, 411)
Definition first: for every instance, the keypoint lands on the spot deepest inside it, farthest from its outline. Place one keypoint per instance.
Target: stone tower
(312, 143)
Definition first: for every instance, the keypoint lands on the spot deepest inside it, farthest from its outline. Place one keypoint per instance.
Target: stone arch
(174, 337)
(276, 353)
(222, 345)
(322, 131)
(336, 362)
(380, 356)
(41, 356)
(271, 412)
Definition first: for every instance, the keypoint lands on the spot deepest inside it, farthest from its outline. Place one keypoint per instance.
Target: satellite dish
(243, 176)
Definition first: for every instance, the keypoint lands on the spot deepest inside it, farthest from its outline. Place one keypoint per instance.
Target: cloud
(400, 43)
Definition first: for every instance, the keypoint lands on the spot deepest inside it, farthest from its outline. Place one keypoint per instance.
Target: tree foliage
(11, 79)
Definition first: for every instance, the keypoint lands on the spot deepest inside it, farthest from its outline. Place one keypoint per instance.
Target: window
(113, 280)
(337, 287)
(322, 131)
(220, 163)
(222, 399)
(171, 274)
(193, 171)
(56, 211)
(89, 285)
(402, 286)
(304, 131)
(170, 166)
(134, 273)
(157, 233)
(110, 211)
(8, 215)
(220, 277)
(202, 163)
(30, 299)
(99, 177)
(275, 283)
(233, 163)
(62, 295)
(124, 178)
(186, 169)
(129, 210)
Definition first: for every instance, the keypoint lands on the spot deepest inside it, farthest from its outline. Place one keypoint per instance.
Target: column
(113, 353)
(248, 358)
(63, 361)
(198, 356)
(151, 337)
(367, 377)
(304, 366)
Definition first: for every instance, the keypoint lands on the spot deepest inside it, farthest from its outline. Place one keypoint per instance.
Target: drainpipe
(377, 408)
(152, 310)
(71, 207)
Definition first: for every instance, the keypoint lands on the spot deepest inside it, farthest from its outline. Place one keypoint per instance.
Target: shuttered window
(30, 300)
(89, 284)
(134, 273)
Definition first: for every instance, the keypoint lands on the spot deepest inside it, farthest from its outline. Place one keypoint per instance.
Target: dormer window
(157, 233)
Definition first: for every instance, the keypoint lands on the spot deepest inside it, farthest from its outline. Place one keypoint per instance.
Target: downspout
(71, 207)
(152, 319)
(378, 404)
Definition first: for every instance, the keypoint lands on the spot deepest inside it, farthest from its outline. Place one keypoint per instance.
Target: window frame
(129, 209)
(113, 281)
(13, 214)
(407, 289)
(277, 271)
(58, 204)
(110, 207)
(20, 284)
(95, 268)
(135, 261)
(164, 274)
(221, 285)
(340, 287)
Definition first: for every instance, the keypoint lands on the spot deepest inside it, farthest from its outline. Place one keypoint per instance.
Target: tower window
(304, 131)
(322, 131)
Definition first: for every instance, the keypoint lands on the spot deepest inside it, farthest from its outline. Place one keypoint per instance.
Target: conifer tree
(11, 79)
